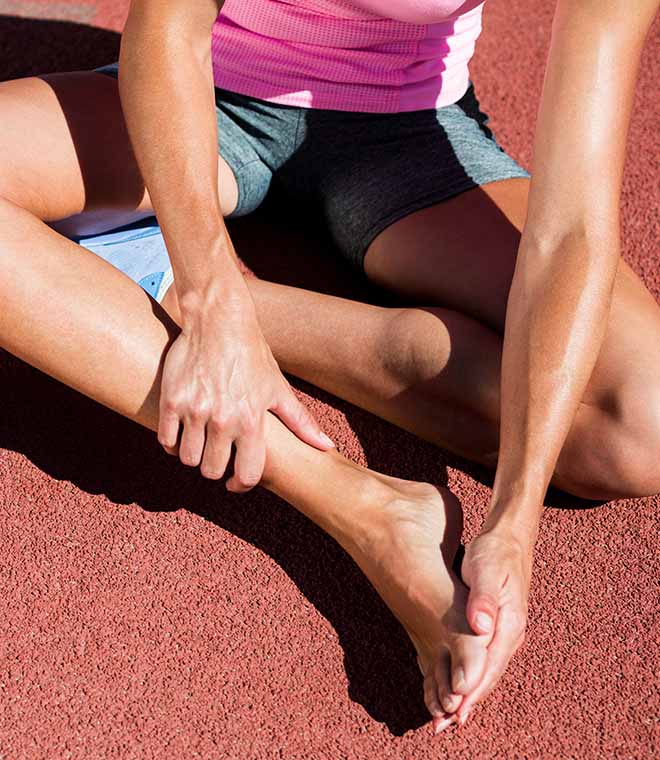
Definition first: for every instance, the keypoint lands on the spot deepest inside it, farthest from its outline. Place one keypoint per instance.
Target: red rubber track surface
(146, 613)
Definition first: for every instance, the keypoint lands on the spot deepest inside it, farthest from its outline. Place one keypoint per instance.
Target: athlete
(535, 352)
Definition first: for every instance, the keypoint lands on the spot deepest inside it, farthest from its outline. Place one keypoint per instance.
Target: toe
(468, 662)
(431, 698)
(441, 718)
(447, 697)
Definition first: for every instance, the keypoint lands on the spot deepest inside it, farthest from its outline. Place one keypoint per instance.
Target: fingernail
(459, 678)
(484, 622)
(327, 441)
(444, 724)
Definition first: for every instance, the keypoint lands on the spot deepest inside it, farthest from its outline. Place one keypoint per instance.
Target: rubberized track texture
(146, 613)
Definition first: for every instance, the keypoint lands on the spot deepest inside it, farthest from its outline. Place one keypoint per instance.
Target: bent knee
(38, 164)
(64, 147)
(643, 456)
(415, 345)
(636, 442)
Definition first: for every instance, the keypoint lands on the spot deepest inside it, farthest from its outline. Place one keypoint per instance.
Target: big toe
(432, 698)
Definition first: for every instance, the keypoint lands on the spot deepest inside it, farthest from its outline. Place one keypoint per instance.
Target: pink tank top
(347, 55)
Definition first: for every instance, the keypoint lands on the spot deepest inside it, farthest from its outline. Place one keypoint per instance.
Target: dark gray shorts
(362, 171)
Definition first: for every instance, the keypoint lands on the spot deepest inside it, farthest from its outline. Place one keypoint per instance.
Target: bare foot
(498, 567)
(407, 555)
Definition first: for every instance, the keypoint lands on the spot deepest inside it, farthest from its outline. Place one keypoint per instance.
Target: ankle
(382, 506)
(356, 515)
(341, 497)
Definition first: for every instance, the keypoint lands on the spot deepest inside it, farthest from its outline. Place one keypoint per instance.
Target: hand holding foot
(412, 540)
(497, 568)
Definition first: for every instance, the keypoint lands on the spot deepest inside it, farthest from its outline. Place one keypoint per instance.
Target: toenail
(459, 678)
(484, 622)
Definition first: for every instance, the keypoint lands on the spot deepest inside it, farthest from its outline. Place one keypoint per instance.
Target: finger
(216, 454)
(469, 657)
(168, 426)
(507, 639)
(192, 441)
(482, 605)
(448, 699)
(249, 461)
(441, 719)
(439, 724)
(490, 680)
(300, 421)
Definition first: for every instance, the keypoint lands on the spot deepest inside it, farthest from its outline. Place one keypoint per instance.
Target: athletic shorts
(360, 171)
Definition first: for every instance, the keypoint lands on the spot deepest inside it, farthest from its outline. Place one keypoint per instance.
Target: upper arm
(584, 114)
(188, 15)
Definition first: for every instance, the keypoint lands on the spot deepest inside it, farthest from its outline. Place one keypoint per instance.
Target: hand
(497, 569)
(219, 381)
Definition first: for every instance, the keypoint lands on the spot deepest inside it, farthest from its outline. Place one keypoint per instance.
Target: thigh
(377, 169)
(65, 153)
(461, 254)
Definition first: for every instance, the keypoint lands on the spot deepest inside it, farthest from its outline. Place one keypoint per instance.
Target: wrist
(219, 298)
(516, 502)
(214, 283)
(515, 521)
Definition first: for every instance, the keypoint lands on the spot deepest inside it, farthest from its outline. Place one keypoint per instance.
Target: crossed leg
(413, 361)
(102, 335)
(435, 371)
(438, 255)
(78, 319)
(460, 255)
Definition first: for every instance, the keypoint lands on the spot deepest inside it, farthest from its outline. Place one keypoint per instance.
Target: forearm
(561, 290)
(166, 89)
(556, 319)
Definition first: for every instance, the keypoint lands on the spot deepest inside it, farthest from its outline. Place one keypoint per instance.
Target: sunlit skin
(540, 344)
(103, 336)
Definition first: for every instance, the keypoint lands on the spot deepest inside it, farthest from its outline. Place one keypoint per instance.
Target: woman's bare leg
(72, 315)
(65, 154)
(460, 255)
(66, 163)
(66, 157)
(436, 373)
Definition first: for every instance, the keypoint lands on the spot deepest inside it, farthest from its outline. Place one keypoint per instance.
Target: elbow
(573, 256)
(591, 236)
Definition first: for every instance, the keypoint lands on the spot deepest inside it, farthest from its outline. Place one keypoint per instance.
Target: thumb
(301, 422)
(485, 583)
